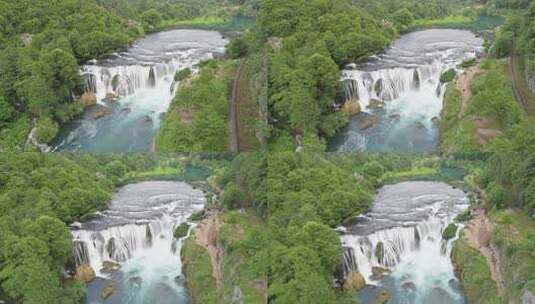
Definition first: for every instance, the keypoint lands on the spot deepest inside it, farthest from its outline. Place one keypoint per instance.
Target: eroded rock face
(84, 273)
(354, 281)
(108, 290)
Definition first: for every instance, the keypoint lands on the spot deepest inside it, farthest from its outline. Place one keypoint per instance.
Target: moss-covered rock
(181, 230)
(450, 232)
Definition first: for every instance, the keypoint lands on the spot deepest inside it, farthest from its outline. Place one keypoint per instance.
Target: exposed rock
(379, 252)
(111, 97)
(115, 82)
(148, 235)
(382, 297)
(100, 112)
(110, 267)
(26, 38)
(454, 284)
(351, 107)
(395, 116)
(417, 237)
(110, 247)
(75, 226)
(354, 281)
(84, 273)
(218, 55)
(376, 104)
(180, 280)
(416, 79)
(88, 99)
(367, 122)
(420, 126)
(152, 77)
(379, 272)
(409, 286)
(108, 290)
(378, 86)
(435, 120)
(528, 297)
(237, 295)
(351, 66)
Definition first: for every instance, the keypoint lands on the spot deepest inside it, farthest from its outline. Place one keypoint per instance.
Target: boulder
(100, 112)
(395, 116)
(108, 290)
(351, 107)
(435, 119)
(354, 281)
(367, 122)
(135, 281)
(88, 99)
(378, 87)
(379, 272)
(382, 297)
(420, 126)
(409, 286)
(110, 267)
(180, 280)
(376, 104)
(84, 273)
(111, 97)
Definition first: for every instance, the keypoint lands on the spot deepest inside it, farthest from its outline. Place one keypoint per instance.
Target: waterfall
(139, 220)
(401, 237)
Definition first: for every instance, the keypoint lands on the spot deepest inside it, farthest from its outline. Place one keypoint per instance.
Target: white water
(142, 79)
(137, 232)
(408, 220)
(407, 79)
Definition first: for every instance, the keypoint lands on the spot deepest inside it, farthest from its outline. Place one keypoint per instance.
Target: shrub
(181, 230)
(450, 232)
(497, 195)
(233, 197)
(182, 74)
(447, 76)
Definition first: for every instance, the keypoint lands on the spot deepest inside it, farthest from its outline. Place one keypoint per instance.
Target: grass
(239, 266)
(474, 274)
(197, 267)
(479, 23)
(515, 236)
(413, 173)
(236, 23)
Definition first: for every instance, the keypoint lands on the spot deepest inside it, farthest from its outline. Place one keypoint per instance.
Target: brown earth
(205, 235)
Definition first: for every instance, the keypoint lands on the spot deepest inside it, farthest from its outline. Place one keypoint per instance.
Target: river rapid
(135, 236)
(400, 92)
(134, 89)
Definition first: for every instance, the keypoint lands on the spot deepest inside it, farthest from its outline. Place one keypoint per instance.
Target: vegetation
(474, 274)
(181, 230)
(448, 76)
(197, 268)
(197, 119)
(450, 232)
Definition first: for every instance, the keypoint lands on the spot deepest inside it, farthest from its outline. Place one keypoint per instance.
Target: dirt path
(477, 233)
(205, 235)
(464, 84)
(234, 142)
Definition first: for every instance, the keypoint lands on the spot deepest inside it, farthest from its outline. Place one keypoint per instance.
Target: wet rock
(382, 297)
(376, 104)
(415, 79)
(455, 285)
(417, 237)
(354, 281)
(110, 267)
(75, 226)
(84, 273)
(435, 120)
(148, 236)
(88, 99)
(367, 122)
(108, 290)
(145, 121)
(152, 78)
(218, 55)
(351, 107)
(379, 272)
(161, 116)
(110, 247)
(378, 86)
(99, 112)
(180, 280)
(409, 286)
(420, 126)
(135, 281)
(111, 97)
(351, 66)
(395, 116)
(125, 111)
(379, 252)
(115, 83)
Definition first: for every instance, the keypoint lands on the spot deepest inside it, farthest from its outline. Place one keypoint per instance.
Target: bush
(450, 232)
(497, 195)
(237, 48)
(46, 130)
(181, 230)
(447, 76)
(182, 74)
(468, 63)
(233, 197)
(503, 44)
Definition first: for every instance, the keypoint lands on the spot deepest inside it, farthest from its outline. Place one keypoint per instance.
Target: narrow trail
(234, 141)
(463, 84)
(526, 102)
(205, 235)
(478, 232)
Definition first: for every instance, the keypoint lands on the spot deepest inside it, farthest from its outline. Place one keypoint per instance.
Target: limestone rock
(88, 99)
(84, 273)
(379, 272)
(109, 267)
(376, 104)
(351, 107)
(354, 281)
(108, 290)
(382, 297)
(367, 122)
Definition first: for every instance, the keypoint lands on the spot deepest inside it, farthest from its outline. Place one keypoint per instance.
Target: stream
(400, 93)
(397, 246)
(134, 90)
(134, 238)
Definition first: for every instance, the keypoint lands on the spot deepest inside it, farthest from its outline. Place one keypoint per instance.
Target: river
(402, 236)
(135, 233)
(400, 92)
(134, 89)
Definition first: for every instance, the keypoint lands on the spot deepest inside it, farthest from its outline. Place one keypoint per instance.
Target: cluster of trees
(309, 195)
(41, 45)
(197, 119)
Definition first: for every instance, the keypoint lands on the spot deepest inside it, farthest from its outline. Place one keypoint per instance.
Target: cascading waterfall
(134, 89)
(403, 234)
(136, 232)
(400, 92)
